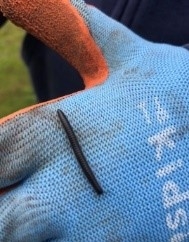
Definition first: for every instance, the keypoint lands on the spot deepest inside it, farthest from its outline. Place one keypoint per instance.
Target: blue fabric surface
(134, 131)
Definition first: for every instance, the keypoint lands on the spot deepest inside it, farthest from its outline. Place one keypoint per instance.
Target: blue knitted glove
(134, 133)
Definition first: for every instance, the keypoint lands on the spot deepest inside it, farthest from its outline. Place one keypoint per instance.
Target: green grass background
(15, 86)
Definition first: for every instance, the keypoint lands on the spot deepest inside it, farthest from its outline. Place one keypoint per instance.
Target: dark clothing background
(156, 20)
(51, 75)
(2, 19)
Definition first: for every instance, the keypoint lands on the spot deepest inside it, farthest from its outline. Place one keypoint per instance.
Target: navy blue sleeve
(158, 20)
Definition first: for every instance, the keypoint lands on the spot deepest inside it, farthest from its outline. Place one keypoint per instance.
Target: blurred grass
(15, 86)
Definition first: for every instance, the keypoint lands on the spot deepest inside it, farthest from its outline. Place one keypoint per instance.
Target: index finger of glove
(23, 146)
(24, 218)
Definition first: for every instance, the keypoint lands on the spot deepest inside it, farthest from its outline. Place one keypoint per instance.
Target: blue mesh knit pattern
(134, 132)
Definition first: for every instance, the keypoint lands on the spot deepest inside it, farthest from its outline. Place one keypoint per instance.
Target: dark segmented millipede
(78, 152)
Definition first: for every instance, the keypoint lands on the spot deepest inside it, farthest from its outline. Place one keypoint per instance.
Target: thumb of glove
(58, 24)
(133, 130)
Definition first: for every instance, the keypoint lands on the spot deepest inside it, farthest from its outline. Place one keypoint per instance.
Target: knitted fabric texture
(134, 132)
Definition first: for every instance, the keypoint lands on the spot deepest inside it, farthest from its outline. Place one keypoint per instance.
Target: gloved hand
(133, 130)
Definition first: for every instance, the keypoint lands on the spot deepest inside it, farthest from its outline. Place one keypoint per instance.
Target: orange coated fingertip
(64, 31)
